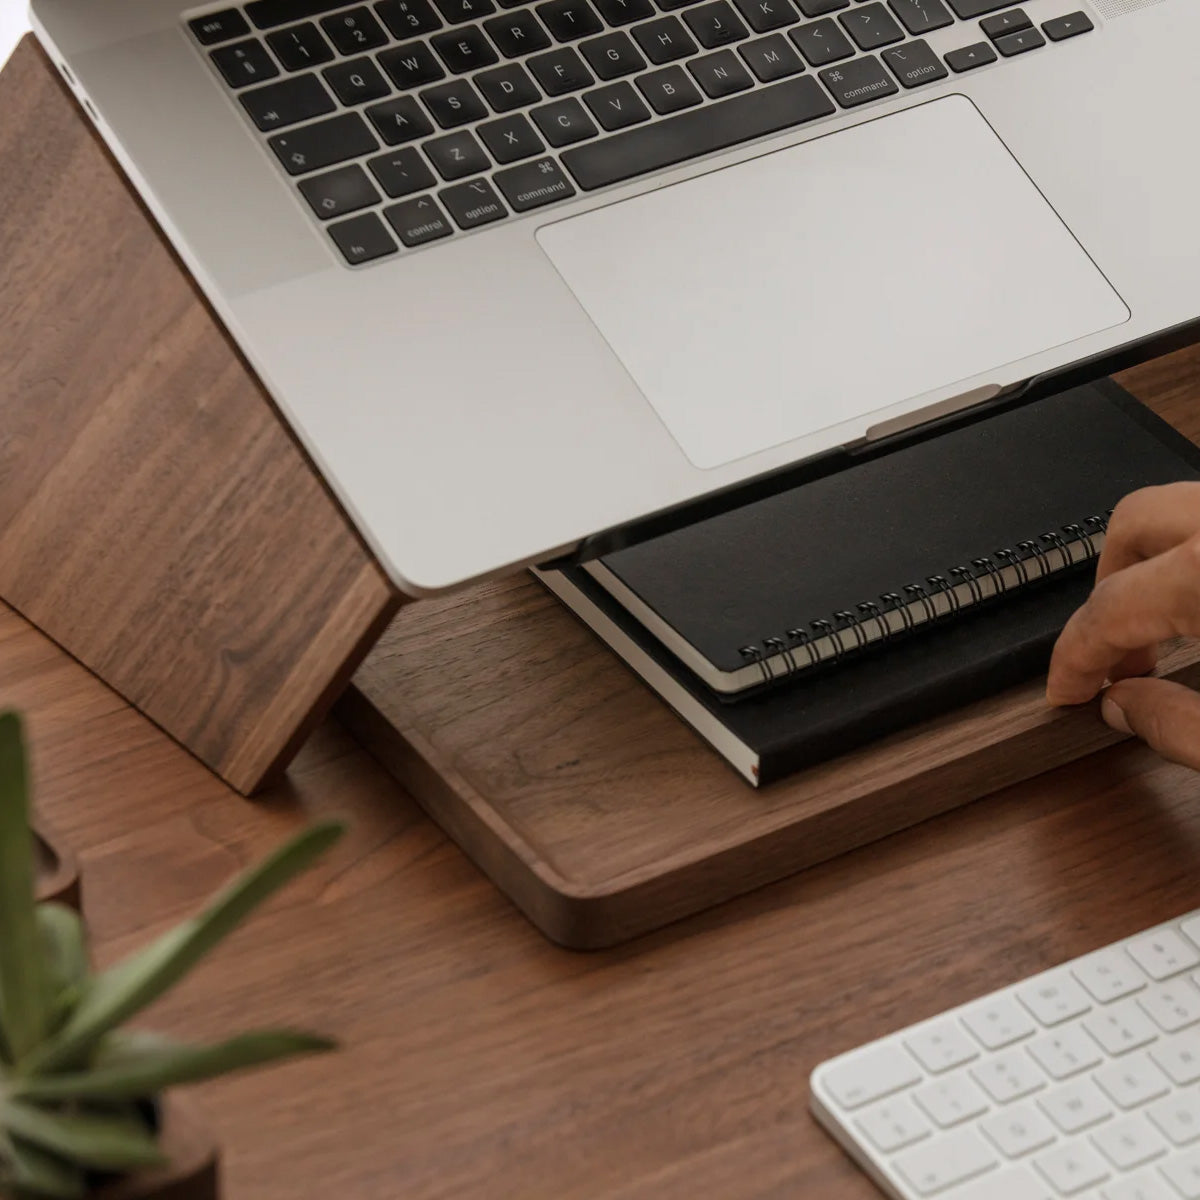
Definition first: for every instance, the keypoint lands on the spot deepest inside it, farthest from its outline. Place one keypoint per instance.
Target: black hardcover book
(800, 626)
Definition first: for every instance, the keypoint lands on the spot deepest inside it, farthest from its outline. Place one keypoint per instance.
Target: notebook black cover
(1071, 455)
(749, 575)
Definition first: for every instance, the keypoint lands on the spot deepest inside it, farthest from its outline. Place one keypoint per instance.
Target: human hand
(1147, 590)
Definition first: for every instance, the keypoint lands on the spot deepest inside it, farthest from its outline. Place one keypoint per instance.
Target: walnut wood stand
(159, 523)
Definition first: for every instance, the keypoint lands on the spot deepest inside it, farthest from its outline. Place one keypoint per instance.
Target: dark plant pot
(57, 871)
(194, 1170)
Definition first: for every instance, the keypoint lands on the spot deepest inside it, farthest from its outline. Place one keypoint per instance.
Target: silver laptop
(519, 273)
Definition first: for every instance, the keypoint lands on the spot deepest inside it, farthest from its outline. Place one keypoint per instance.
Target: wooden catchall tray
(158, 522)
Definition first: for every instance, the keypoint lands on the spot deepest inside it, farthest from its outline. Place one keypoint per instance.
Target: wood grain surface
(481, 1061)
(155, 517)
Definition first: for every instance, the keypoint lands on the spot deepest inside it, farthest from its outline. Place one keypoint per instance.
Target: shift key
(697, 131)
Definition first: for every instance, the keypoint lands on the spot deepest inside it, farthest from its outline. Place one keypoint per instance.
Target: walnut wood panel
(602, 816)
(155, 517)
(481, 1061)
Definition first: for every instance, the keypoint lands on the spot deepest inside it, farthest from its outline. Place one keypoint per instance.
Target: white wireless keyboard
(1082, 1082)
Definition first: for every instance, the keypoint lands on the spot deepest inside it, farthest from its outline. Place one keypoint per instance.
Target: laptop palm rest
(822, 283)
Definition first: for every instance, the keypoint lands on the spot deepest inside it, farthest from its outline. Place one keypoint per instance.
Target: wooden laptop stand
(159, 523)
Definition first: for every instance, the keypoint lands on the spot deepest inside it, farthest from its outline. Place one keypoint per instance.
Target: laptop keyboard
(403, 122)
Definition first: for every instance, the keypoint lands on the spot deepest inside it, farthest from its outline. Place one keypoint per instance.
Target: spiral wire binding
(850, 630)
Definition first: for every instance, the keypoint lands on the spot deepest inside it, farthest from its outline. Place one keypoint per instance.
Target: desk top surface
(478, 1059)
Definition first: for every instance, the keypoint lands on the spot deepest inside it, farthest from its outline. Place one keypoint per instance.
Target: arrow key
(1072, 25)
(970, 57)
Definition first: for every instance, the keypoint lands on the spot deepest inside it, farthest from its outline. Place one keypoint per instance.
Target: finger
(1165, 715)
(1149, 522)
(1131, 611)
(1134, 664)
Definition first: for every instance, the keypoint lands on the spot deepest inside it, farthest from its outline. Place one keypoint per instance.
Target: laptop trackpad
(825, 282)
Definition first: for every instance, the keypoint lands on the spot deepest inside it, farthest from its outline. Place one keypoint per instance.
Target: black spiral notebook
(802, 625)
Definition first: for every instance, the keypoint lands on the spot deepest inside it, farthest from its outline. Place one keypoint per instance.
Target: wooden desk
(480, 1060)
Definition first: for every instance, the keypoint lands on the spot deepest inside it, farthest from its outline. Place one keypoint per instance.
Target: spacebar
(697, 131)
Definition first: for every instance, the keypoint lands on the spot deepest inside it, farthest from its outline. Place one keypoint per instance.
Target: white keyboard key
(1141, 1187)
(1018, 1131)
(1179, 1057)
(1178, 1116)
(1017, 1183)
(1191, 927)
(1164, 954)
(946, 1161)
(1009, 1076)
(1184, 1174)
(1066, 1052)
(1055, 998)
(998, 1022)
(1072, 1168)
(1076, 1106)
(871, 1075)
(1130, 1142)
(1172, 1006)
(893, 1125)
(1132, 1081)
(952, 1100)
(1109, 975)
(1121, 1027)
(941, 1046)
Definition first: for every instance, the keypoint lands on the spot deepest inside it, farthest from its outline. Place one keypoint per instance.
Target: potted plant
(82, 1115)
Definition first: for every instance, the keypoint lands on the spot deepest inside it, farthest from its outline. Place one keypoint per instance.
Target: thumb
(1165, 715)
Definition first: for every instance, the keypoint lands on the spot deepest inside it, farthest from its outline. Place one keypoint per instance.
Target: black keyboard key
(564, 122)
(560, 71)
(357, 81)
(613, 55)
(418, 221)
(705, 130)
(464, 50)
(720, 74)
(671, 5)
(669, 90)
(339, 192)
(266, 14)
(872, 26)
(473, 204)
(534, 184)
(570, 19)
(311, 147)
(457, 155)
(1058, 29)
(458, 11)
(922, 16)
(1005, 22)
(967, 10)
(287, 102)
(822, 42)
(454, 104)
(1012, 44)
(915, 64)
(624, 12)
(765, 15)
(402, 172)
(772, 58)
(300, 47)
(859, 82)
(400, 120)
(408, 18)
(517, 33)
(819, 8)
(411, 65)
(507, 87)
(664, 40)
(967, 58)
(219, 27)
(716, 25)
(511, 138)
(617, 106)
(362, 239)
(245, 63)
(354, 32)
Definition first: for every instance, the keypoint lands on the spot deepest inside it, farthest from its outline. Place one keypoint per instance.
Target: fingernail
(1114, 715)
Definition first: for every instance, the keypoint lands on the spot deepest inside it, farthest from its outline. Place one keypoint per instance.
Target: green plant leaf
(111, 998)
(159, 1064)
(36, 1172)
(22, 990)
(65, 956)
(98, 1141)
